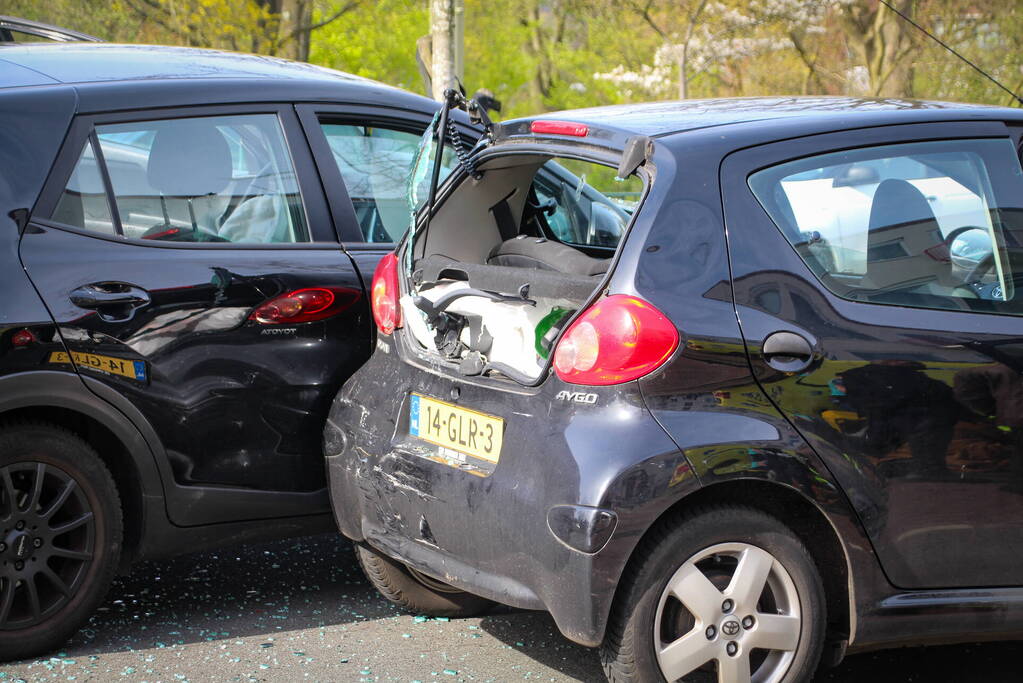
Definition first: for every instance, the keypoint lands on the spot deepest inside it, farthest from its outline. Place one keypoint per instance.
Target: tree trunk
(447, 39)
(540, 83)
(683, 81)
(292, 31)
(883, 43)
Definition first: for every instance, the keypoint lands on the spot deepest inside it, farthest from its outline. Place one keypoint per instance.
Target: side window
(208, 179)
(584, 203)
(375, 164)
(84, 203)
(928, 224)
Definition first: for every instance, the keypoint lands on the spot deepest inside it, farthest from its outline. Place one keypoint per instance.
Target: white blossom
(721, 34)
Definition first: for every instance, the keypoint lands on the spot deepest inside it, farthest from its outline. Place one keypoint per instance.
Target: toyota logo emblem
(730, 628)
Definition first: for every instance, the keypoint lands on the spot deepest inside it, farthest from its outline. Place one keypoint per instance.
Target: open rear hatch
(516, 242)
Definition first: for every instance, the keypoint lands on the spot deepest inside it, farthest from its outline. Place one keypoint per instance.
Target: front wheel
(729, 594)
(60, 536)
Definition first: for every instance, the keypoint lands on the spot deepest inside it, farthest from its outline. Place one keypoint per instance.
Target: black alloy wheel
(47, 543)
(60, 536)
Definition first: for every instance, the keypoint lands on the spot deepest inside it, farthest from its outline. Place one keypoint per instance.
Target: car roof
(89, 63)
(135, 76)
(665, 118)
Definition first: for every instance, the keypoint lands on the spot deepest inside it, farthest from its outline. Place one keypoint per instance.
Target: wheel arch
(793, 508)
(61, 399)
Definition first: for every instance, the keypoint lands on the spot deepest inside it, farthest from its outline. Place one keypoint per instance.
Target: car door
(190, 262)
(876, 276)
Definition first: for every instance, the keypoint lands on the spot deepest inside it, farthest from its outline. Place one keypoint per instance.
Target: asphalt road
(300, 609)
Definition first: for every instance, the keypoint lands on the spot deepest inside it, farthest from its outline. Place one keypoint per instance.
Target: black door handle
(787, 351)
(113, 300)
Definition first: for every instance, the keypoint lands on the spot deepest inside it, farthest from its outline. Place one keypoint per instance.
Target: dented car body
(855, 412)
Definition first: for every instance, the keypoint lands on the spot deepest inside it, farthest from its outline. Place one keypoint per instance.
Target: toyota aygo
(728, 387)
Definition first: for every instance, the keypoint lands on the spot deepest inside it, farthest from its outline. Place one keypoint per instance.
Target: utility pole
(447, 45)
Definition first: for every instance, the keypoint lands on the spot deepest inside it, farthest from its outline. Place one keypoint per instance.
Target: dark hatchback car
(783, 418)
(185, 245)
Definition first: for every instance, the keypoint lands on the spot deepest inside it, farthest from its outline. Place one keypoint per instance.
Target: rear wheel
(728, 594)
(60, 536)
(415, 591)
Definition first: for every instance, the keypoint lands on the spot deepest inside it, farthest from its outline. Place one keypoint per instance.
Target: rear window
(927, 224)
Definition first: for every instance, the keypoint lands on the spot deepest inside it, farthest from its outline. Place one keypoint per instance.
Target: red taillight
(618, 339)
(304, 305)
(579, 130)
(23, 338)
(384, 295)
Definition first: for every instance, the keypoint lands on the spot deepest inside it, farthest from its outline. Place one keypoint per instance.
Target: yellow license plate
(465, 431)
(133, 369)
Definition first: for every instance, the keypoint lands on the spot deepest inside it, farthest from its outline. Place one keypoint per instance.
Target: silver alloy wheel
(728, 625)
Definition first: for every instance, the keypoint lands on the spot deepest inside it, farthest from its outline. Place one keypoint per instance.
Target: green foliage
(541, 55)
(108, 20)
(377, 40)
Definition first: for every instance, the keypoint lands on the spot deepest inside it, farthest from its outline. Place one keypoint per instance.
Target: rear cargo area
(509, 258)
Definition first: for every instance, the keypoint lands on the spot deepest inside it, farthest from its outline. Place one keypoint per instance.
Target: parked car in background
(18, 30)
(779, 418)
(184, 278)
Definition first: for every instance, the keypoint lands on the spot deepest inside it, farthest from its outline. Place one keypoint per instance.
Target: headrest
(189, 158)
(897, 202)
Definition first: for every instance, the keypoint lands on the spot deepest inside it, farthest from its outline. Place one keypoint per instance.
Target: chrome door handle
(787, 351)
(115, 301)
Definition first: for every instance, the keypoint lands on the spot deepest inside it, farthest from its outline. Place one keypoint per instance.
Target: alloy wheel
(732, 608)
(47, 542)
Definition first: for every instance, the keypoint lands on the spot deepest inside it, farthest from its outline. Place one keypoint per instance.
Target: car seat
(905, 247)
(539, 253)
(190, 163)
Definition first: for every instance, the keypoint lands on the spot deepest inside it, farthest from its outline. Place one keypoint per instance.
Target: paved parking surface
(301, 609)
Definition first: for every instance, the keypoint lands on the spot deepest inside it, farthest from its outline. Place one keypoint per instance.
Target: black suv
(183, 246)
(781, 417)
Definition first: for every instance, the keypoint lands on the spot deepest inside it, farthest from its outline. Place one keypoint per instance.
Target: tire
(699, 556)
(415, 592)
(61, 526)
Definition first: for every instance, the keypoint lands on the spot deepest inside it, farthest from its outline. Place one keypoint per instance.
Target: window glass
(84, 203)
(375, 164)
(929, 224)
(210, 179)
(19, 37)
(584, 203)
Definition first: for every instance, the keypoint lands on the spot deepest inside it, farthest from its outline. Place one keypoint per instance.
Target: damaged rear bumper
(541, 531)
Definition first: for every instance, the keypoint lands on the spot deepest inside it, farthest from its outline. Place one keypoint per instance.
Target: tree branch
(158, 20)
(309, 28)
(348, 7)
